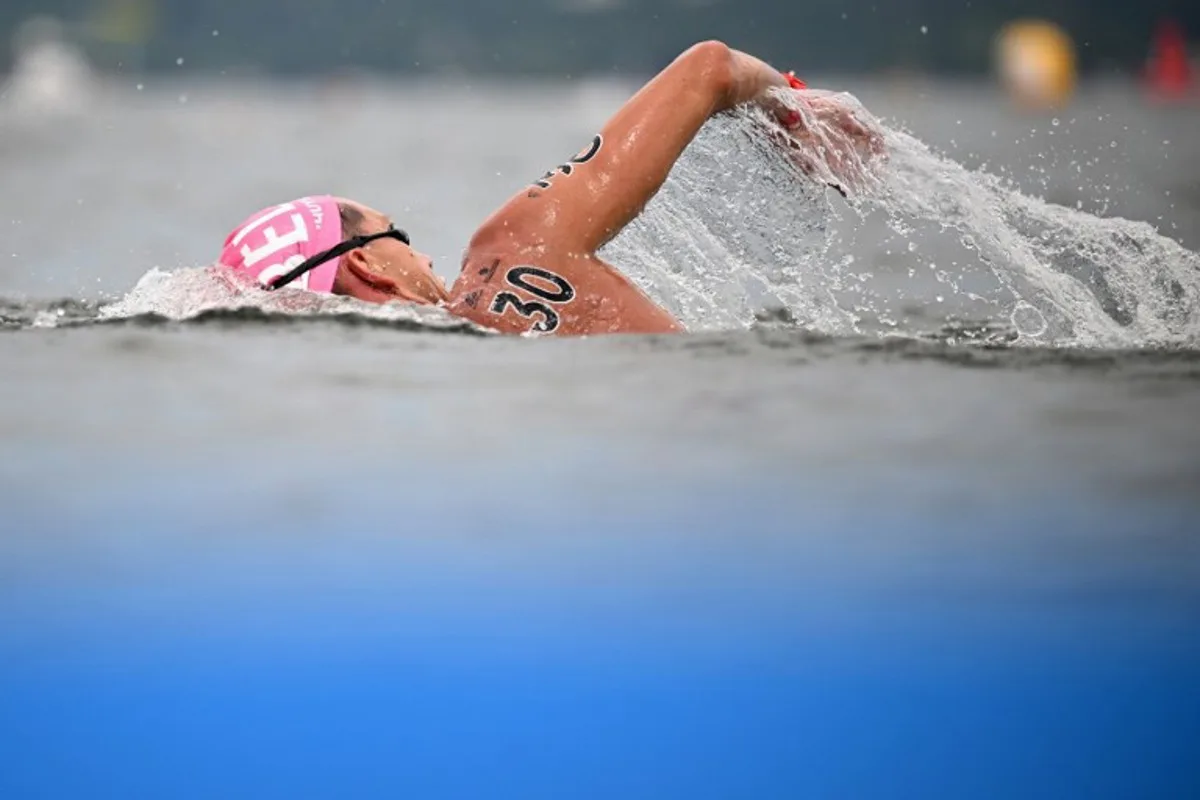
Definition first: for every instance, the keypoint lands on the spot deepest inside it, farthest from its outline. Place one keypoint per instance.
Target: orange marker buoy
(1035, 60)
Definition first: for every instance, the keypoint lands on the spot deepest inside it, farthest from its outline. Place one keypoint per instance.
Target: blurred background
(581, 37)
(286, 556)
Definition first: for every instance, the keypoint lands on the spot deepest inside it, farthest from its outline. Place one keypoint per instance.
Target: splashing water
(919, 243)
(189, 293)
(738, 228)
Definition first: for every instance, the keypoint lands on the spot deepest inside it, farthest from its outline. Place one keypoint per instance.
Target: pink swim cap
(278, 239)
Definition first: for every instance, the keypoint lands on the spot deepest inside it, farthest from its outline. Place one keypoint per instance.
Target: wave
(215, 296)
(774, 334)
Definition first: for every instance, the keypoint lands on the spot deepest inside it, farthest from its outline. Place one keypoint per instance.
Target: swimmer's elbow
(710, 49)
(713, 61)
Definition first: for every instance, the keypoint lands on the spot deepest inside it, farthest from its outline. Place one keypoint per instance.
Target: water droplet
(183, 98)
(216, 33)
(1055, 122)
(179, 61)
(141, 86)
(924, 29)
(940, 299)
(912, 247)
(1028, 320)
(1112, 144)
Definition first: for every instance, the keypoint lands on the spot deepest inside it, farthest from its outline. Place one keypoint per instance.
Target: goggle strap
(340, 249)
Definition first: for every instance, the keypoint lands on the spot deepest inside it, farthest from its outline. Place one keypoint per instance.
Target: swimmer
(532, 267)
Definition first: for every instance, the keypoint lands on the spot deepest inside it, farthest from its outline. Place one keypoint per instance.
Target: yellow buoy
(1035, 60)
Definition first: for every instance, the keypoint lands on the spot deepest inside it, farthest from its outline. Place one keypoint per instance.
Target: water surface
(267, 553)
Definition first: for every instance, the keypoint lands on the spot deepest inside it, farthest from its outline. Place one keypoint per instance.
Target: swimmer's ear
(359, 267)
(366, 284)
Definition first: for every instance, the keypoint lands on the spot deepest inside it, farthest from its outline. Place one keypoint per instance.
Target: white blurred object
(51, 75)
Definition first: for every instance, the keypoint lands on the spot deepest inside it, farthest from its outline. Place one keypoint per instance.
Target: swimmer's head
(329, 244)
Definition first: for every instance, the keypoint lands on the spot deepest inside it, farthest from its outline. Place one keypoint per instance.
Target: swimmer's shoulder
(523, 291)
(504, 286)
(522, 272)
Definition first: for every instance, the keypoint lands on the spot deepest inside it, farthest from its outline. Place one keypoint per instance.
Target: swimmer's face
(387, 269)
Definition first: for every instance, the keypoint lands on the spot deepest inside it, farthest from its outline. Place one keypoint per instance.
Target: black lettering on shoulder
(543, 284)
(490, 272)
(582, 157)
(563, 292)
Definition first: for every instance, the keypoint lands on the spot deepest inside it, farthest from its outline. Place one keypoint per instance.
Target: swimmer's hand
(822, 131)
(829, 136)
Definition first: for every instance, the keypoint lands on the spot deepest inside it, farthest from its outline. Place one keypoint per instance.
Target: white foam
(737, 227)
(187, 293)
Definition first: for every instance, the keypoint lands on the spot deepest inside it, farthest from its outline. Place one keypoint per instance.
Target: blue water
(810, 600)
(363, 665)
(254, 557)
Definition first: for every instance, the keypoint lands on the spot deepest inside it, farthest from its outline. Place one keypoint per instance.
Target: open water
(913, 511)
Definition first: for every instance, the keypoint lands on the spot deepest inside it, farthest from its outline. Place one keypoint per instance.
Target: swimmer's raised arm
(580, 205)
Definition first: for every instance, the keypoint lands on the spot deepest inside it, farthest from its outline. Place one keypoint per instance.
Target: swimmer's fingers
(835, 113)
(843, 119)
(799, 147)
(864, 135)
(824, 121)
(783, 110)
(850, 137)
(826, 141)
(836, 160)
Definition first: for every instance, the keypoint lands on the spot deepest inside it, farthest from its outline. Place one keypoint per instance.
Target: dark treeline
(573, 37)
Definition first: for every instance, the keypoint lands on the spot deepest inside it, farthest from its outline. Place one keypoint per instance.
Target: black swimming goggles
(353, 243)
